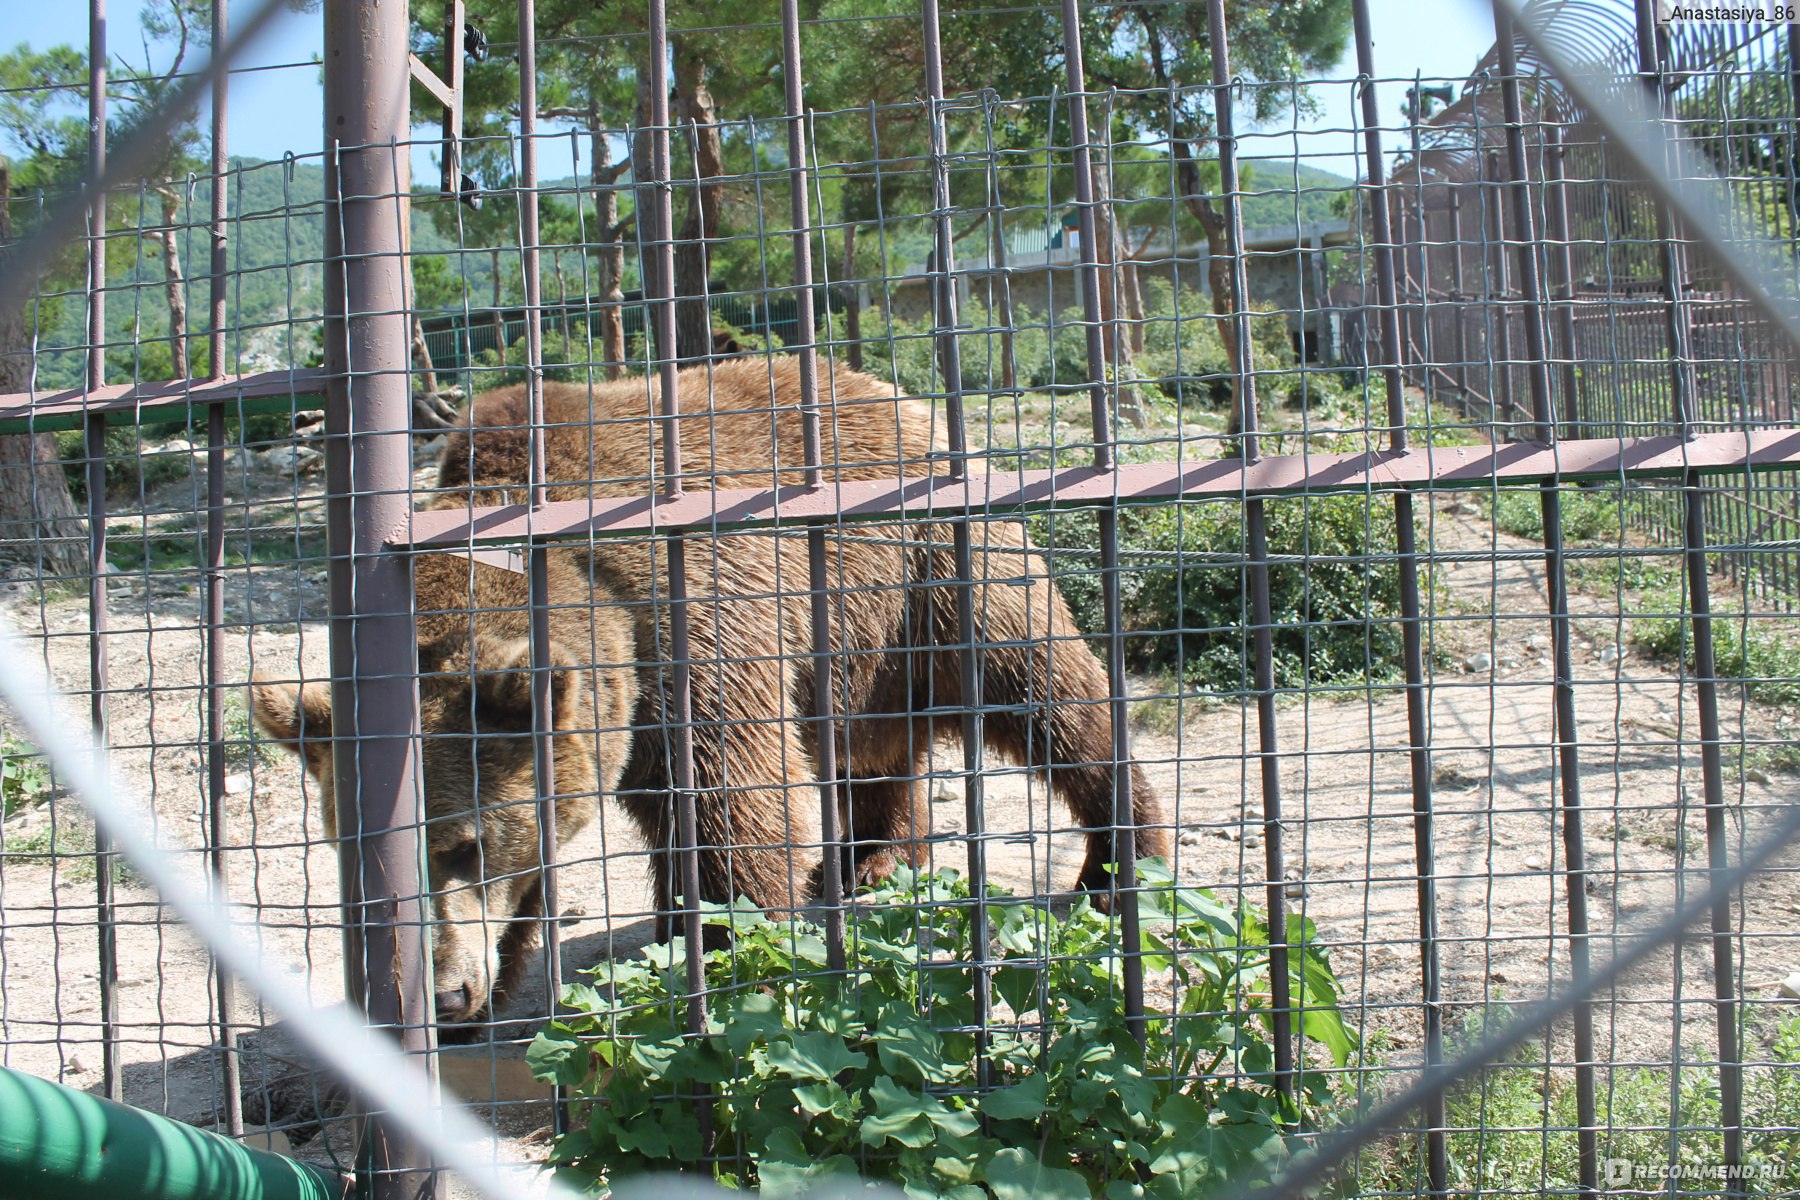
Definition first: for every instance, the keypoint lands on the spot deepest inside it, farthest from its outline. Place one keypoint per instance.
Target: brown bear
(897, 678)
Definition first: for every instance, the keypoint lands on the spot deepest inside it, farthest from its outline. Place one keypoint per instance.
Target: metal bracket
(450, 96)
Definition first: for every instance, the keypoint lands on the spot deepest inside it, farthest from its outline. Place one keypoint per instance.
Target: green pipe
(57, 1143)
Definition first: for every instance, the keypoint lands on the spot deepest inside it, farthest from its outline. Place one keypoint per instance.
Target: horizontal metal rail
(939, 497)
(299, 390)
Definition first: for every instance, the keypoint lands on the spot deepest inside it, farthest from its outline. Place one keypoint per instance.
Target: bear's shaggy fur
(897, 677)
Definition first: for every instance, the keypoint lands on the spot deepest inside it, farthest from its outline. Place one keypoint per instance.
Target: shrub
(1767, 662)
(1589, 514)
(814, 1074)
(1186, 592)
(566, 359)
(132, 466)
(24, 776)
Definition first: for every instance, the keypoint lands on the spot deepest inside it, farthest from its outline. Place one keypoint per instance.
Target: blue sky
(275, 105)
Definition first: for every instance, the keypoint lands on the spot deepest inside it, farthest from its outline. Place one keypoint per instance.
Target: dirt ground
(1345, 783)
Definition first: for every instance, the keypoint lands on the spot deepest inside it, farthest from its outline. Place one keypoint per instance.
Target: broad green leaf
(645, 1135)
(557, 1055)
(813, 1056)
(1326, 1026)
(906, 1123)
(1021, 1101)
(1015, 1175)
(1018, 986)
(909, 1048)
(749, 1018)
(825, 1099)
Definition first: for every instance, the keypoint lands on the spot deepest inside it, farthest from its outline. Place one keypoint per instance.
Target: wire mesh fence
(1006, 599)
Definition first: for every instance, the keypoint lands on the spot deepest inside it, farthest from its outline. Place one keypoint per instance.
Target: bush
(1183, 357)
(1767, 663)
(1589, 514)
(24, 776)
(131, 466)
(1186, 591)
(815, 1075)
(566, 359)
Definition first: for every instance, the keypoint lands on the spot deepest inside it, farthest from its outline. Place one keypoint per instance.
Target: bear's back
(741, 427)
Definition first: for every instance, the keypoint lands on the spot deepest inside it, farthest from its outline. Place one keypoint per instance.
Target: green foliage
(132, 468)
(1766, 660)
(1183, 359)
(817, 1075)
(1186, 595)
(1513, 1129)
(1589, 514)
(24, 777)
(567, 358)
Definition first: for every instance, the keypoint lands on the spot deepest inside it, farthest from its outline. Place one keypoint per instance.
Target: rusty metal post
(1706, 670)
(1262, 621)
(1458, 298)
(368, 462)
(95, 439)
(1562, 269)
(1124, 812)
(661, 295)
(1503, 405)
(231, 1083)
(1537, 377)
(1418, 727)
(968, 656)
(543, 719)
(818, 581)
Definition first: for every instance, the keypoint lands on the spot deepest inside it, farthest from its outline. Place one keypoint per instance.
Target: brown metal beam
(167, 400)
(940, 497)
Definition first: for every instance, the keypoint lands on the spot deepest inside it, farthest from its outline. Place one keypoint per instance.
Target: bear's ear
(297, 717)
(503, 682)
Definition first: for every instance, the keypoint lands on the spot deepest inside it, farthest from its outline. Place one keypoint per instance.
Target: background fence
(1370, 587)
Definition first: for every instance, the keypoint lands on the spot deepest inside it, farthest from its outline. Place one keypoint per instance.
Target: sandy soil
(1344, 774)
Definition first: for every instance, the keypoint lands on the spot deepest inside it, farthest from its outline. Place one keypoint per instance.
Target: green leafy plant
(24, 779)
(1335, 599)
(876, 1071)
(1761, 652)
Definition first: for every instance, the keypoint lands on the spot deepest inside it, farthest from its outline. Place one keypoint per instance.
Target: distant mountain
(1285, 192)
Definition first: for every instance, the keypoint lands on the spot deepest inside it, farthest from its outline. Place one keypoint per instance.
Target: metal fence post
(1537, 378)
(95, 446)
(1124, 811)
(968, 656)
(831, 877)
(1418, 726)
(1262, 621)
(1706, 672)
(224, 986)
(368, 462)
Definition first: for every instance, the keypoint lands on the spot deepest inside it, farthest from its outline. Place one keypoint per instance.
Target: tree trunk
(561, 324)
(699, 119)
(852, 299)
(1132, 284)
(1218, 241)
(39, 522)
(1115, 349)
(1218, 268)
(499, 319)
(612, 253)
(173, 283)
(1009, 376)
(421, 356)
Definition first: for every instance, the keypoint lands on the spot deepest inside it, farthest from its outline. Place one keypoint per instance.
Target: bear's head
(481, 800)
